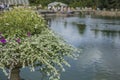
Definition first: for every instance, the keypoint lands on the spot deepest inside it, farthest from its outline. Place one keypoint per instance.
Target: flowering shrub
(25, 40)
(17, 23)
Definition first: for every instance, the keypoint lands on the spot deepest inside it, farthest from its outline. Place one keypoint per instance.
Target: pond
(99, 39)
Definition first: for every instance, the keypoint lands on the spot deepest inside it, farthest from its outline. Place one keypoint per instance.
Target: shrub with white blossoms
(26, 41)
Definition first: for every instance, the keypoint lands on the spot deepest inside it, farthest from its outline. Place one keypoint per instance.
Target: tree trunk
(15, 74)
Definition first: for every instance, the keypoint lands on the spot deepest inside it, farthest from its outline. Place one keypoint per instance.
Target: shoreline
(74, 13)
(107, 13)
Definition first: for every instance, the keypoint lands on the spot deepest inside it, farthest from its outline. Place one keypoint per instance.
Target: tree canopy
(83, 3)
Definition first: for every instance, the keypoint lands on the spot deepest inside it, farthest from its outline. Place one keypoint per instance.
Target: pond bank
(81, 12)
(107, 13)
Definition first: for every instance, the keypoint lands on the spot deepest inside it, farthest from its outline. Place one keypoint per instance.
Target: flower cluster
(18, 40)
(2, 39)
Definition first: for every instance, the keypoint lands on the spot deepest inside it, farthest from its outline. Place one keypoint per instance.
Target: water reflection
(100, 43)
(81, 28)
(106, 33)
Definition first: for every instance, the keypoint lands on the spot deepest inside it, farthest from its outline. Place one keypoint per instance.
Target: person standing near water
(1, 6)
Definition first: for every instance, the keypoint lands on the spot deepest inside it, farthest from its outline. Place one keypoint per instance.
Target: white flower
(7, 24)
(36, 25)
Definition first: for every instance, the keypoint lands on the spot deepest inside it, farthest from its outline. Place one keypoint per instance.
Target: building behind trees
(15, 2)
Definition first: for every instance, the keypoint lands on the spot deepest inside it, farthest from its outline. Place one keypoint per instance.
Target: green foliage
(83, 3)
(42, 48)
(17, 23)
(38, 2)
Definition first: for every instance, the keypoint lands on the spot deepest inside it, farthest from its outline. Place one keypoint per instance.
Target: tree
(25, 40)
(84, 3)
(42, 2)
(113, 4)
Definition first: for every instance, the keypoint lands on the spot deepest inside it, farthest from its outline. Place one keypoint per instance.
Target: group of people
(4, 6)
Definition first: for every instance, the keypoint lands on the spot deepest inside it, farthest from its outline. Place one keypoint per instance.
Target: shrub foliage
(25, 40)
